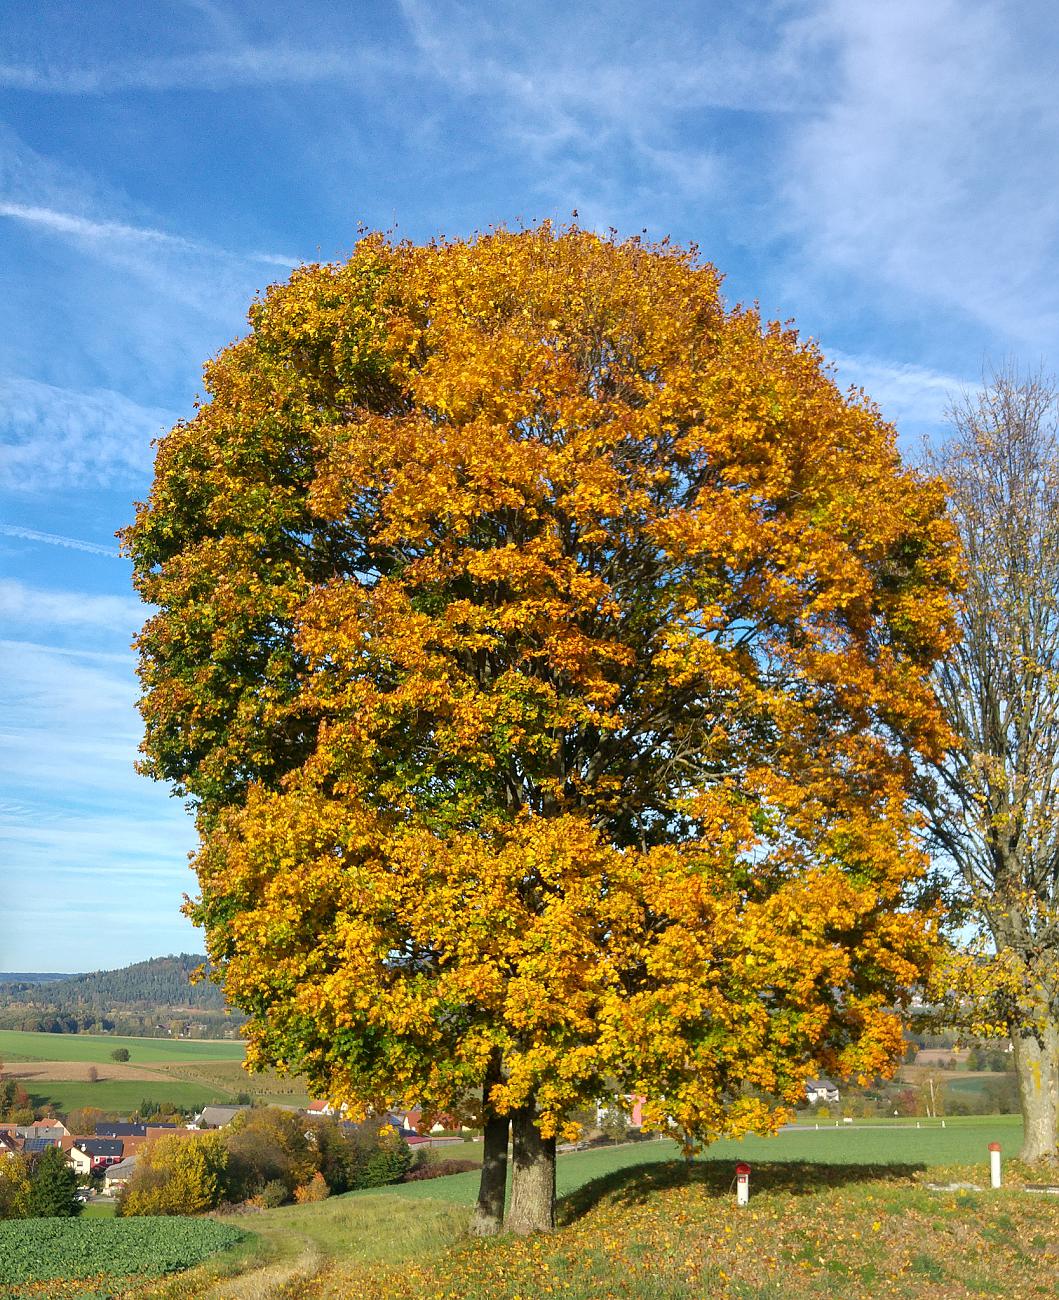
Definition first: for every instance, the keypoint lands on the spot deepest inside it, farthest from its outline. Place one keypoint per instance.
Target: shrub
(268, 1145)
(388, 1162)
(614, 1124)
(315, 1189)
(120, 1054)
(14, 1187)
(176, 1175)
(273, 1194)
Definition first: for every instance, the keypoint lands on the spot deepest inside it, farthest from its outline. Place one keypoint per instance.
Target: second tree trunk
(1037, 1067)
(533, 1179)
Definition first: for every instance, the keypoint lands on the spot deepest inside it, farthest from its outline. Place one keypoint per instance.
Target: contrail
(53, 539)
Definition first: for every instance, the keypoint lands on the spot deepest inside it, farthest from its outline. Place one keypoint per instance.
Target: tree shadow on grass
(636, 1183)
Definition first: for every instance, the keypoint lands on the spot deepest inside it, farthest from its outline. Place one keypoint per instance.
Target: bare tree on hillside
(993, 802)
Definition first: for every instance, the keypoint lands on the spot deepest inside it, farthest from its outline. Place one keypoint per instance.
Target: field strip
(77, 1071)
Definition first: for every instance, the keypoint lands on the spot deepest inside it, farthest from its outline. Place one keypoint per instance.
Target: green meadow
(19, 1045)
(960, 1142)
(121, 1096)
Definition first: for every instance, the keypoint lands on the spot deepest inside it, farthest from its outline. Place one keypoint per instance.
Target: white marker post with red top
(742, 1183)
(994, 1164)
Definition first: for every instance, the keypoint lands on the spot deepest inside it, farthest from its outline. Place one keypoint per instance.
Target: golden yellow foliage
(545, 646)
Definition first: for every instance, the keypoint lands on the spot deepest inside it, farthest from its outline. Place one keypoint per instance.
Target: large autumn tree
(544, 647)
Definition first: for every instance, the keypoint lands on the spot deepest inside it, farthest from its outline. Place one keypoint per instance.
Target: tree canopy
(544, 646)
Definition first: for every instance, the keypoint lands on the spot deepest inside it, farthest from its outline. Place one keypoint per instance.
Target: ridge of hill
(159, 981)
(156, 998)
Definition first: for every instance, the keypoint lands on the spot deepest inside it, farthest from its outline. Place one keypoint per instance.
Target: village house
(32, 1146)
(630, 1104)
(116, 1177)
(216, 1116)
(821, 1092)
(92, 1155)
(324, 1108)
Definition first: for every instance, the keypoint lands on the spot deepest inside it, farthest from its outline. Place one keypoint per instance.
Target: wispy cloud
(925, 170)
(602, 108)
(33, 606)
(246, 65)
(915, 398)
(69, 223)
(52, 436)
(55, 539)
(75, 810)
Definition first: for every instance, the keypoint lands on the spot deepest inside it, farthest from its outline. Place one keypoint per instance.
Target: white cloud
(927, 168)
(913, 397)
(22, 604)
(145, 300)
(51, 436)
(76, 816)
(600, 105)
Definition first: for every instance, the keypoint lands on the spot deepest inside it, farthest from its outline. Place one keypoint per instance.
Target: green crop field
(98, 1251)
(18, 1045)
(976, 1083)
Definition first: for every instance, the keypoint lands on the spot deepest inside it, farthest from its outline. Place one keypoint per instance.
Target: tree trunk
(1037, 1068)
(488, 1216)
(533, 1182)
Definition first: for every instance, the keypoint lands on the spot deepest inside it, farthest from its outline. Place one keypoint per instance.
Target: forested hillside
(149, 997)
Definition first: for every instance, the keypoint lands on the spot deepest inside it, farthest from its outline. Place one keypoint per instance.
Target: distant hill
(160, 982)
(154, 997)
(33, 976)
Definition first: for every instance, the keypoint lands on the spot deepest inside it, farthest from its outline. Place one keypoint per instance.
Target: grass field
(186, 1072)
(671, 1232)
(19, 1045)
(121, 1096)
(961, 1142)
(230, 1076)
(638, 1225)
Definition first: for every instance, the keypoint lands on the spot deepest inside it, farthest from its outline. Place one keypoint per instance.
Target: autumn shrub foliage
(543, 643)
(267, 1156)
(177, 1175)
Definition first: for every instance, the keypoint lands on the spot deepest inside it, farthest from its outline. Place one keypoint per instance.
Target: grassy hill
(635, 1224)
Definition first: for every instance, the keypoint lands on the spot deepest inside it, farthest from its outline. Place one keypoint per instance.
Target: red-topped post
(994, 1164)
(742, 1183)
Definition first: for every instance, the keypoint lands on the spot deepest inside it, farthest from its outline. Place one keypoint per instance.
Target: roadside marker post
(994, 1164)
(742, 1183)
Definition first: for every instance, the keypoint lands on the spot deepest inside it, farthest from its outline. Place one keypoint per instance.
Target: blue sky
(882, 173)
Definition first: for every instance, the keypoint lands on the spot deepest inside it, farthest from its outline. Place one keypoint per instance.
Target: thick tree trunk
(1037, 1068)
(488, 1216)
(533, 1181)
